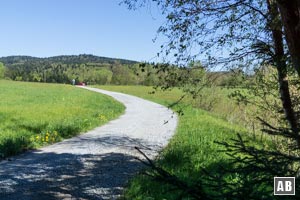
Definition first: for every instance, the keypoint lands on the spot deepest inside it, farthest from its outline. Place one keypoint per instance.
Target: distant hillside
(65, 59)
(83, 68)
(92, 69)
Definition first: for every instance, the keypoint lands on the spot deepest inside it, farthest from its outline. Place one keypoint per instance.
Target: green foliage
(2, 70)
(62, 69)
(146, 74)
(122, 75)
(97, 70)
(103, 76)
(262, 94)
(33, 115)
(83, 68)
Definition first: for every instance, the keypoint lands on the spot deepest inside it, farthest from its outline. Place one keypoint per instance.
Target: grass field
(37, 114)
(189, 150)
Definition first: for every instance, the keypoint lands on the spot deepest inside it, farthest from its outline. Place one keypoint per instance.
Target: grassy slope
(36, 114)
(191, 148)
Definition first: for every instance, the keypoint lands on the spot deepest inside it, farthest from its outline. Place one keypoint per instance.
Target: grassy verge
(210, 99)
(37, 114)
(189, 150)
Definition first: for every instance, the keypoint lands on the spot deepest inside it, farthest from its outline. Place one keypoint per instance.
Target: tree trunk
(290, 14)
(281, 66)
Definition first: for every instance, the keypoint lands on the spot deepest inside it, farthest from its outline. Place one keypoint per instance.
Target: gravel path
(94, 165)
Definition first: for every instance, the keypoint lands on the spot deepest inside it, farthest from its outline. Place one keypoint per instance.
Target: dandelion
(102, 118)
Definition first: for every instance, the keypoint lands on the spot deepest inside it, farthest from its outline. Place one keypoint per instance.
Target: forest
(62, 69)
(92, 70)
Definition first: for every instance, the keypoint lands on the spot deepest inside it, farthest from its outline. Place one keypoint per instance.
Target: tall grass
(37, 114)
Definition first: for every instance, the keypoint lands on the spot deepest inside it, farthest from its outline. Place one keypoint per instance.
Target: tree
(2, 70)
(290, 17)
(239, 25)
(248, 33)
(103, 76)
(122, 75)
(280, 62)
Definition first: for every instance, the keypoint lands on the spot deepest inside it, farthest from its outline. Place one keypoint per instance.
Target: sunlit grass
(36, 114)
(193, 146)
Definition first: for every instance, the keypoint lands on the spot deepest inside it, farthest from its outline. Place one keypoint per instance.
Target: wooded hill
(65, 59)
(62, 69)
(102, 70)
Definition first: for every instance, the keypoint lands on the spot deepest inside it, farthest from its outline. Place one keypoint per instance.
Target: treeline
(83, 68)
(70, 59)
(92, 69)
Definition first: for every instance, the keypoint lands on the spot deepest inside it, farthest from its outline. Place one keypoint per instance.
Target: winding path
(94, 165)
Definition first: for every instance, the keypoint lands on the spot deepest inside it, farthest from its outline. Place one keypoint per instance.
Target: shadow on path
(47, 175)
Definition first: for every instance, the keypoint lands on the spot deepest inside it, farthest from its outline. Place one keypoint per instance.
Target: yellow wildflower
(102, 117)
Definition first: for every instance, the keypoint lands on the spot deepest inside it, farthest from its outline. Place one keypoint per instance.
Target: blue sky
(65, 27)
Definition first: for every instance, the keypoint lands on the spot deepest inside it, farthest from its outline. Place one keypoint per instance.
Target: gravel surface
(94, 165)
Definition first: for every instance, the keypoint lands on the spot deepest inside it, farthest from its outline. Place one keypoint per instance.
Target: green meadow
(192, 147)
(37, 114)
